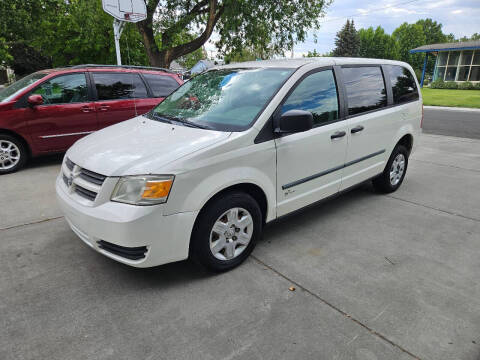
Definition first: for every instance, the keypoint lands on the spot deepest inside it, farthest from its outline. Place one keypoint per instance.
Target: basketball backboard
(126, 10)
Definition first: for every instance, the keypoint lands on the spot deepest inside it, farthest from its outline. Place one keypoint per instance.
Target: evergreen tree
(347, 41)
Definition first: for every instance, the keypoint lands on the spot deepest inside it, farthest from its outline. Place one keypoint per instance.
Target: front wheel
(13, 154)
(226, 231)
(394, 172)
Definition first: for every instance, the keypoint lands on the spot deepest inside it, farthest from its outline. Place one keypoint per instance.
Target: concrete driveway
(375, 277)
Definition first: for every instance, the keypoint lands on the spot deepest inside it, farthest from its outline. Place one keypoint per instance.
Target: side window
(316, 93)
(114, 86)
(365, 89)
(65, 89)
(403, 84)
(161, 85)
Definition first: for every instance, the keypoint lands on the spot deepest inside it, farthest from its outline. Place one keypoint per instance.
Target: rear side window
(161, 85)
(113, 86)
(403, 84)
(316, 93)
(365, 89)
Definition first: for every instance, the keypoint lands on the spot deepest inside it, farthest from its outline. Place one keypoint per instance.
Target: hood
(139, 146)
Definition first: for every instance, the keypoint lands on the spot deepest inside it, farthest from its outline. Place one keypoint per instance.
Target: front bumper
(166, 238)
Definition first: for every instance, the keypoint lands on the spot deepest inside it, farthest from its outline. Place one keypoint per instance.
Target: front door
(310, 164)
(66, 114)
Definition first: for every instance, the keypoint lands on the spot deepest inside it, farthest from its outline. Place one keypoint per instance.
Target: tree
(239, 24)
(433, 35)
(377, 44)
(410, 36)
(347, 42)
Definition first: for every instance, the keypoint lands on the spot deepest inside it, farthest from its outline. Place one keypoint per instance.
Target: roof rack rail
(122, 66)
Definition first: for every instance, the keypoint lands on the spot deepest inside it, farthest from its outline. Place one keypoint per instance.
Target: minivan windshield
(10, 91)
(224, 100)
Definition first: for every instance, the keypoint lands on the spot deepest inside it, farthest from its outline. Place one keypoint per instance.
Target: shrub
(451, 85)
(477, 86)
(438, 84)
(467, 85)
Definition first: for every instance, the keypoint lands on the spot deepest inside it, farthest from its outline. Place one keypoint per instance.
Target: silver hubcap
(231, 234)
(397, 169)
(9, 154)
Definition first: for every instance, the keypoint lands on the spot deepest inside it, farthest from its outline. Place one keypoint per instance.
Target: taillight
(421, 121)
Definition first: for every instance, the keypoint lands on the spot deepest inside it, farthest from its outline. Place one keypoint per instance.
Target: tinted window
(63, 89)
(365, 89)
(161, 85)
(403, 84)
(317, 93)
(112, 86)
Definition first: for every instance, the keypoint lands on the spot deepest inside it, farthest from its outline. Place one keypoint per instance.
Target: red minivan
(49, 110)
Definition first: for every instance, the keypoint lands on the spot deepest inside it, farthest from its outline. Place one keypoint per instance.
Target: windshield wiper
(160, 118)
(185, 122)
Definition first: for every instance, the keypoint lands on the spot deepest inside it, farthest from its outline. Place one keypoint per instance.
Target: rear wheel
(13, 154)
(394, 172)
(226, 231)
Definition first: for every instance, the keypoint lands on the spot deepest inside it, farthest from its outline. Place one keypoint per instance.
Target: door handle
(338, 134)
(103, 107)
(357, 129)
(86, 109)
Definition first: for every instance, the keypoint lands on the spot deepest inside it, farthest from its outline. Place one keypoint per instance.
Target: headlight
(143, 190)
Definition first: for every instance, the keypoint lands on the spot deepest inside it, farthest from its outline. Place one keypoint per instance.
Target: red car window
(161, 85)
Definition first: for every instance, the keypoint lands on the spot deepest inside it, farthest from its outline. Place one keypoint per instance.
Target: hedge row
(466, 85)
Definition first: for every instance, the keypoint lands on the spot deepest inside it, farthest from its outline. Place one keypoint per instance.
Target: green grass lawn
(457, 98)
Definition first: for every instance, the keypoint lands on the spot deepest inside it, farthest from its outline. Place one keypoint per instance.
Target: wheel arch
(19, 137)
(254, 190)
(407, 141)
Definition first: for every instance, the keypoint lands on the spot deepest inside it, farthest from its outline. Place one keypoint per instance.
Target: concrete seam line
(433, 208)
(337, 309)
(30, 223)
(446, 165)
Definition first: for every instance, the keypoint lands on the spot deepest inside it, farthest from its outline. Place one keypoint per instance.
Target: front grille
(92, 176)
(83, 182)
(132, 253)
(69, 164)
(87, 194)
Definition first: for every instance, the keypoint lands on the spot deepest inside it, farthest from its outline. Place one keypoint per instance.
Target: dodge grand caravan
(49, 110)
(235, 148)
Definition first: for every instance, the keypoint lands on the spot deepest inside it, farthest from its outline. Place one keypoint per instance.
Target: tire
(225, 247)
(394, 172)
(13, 154)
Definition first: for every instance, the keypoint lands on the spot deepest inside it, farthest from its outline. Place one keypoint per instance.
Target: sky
(460, 17)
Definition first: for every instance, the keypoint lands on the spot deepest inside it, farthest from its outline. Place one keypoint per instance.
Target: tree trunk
(163, 58)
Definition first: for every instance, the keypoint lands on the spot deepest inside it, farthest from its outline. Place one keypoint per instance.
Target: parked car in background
(235, 148)
(49, 110)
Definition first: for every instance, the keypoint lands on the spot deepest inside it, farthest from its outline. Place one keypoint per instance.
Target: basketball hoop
(124, 11)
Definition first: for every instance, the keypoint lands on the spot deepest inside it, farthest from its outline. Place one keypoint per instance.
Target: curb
(451, 108)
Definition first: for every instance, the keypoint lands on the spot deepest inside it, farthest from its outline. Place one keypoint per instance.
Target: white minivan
(235, 148)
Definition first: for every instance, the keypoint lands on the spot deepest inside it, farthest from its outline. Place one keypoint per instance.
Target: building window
(458, 66)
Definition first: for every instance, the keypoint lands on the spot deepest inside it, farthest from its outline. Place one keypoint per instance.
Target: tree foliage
(240, 24)
(410, 36)
(347, 41)
(375, 43)
(45, 33)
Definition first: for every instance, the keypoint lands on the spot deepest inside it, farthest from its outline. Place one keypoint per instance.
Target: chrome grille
(80, 181)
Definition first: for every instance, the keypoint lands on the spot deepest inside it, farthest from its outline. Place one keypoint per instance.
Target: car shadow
(308, 216)
(46, 160)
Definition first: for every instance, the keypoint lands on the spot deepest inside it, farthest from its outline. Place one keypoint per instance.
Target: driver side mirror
(34, 100)
(294, 121)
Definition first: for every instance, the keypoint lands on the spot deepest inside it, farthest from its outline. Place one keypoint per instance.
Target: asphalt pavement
(459, 122)
(373, 277)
